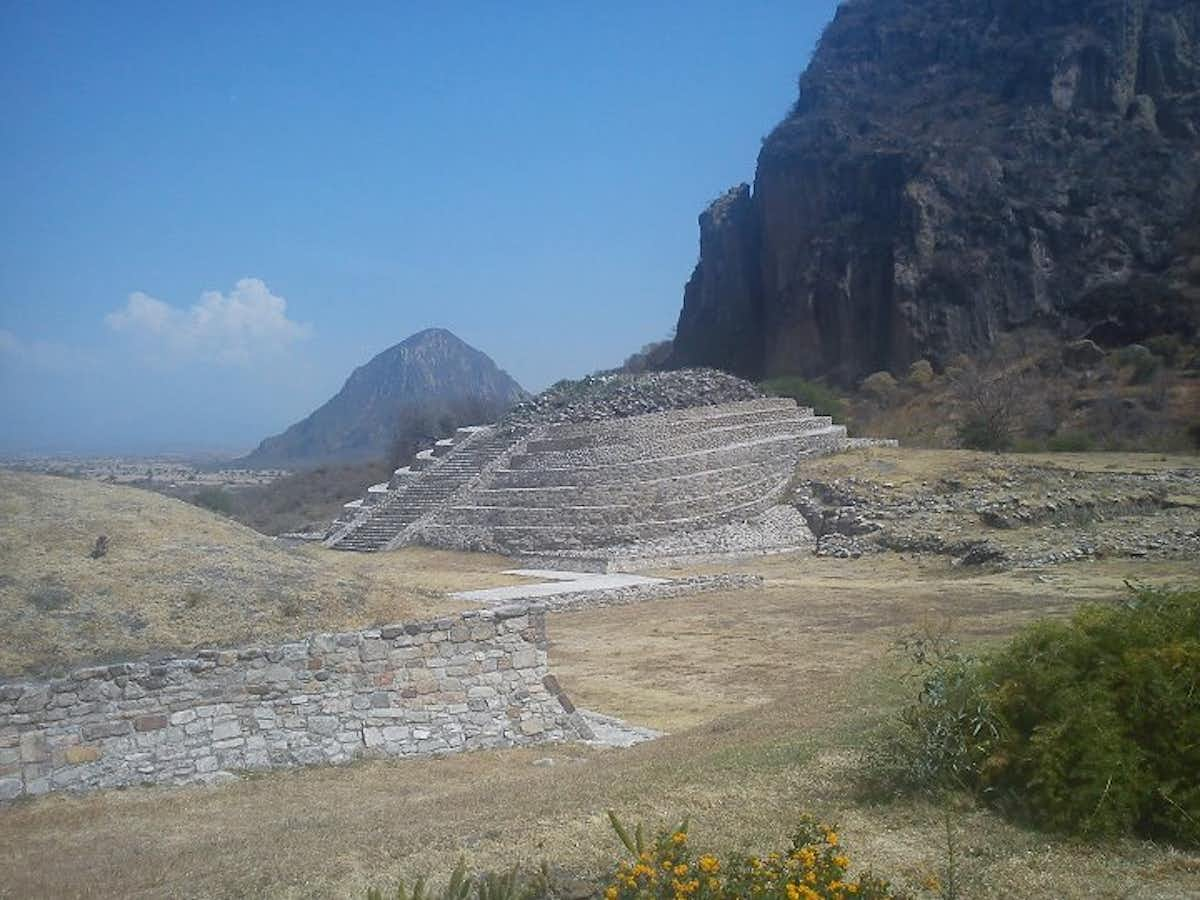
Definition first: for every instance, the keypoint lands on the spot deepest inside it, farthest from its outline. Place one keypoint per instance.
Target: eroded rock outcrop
(955, 168)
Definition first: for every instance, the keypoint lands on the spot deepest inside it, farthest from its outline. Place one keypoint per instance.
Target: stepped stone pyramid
(595, 481)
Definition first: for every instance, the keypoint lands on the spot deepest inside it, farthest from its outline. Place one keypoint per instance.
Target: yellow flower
(709, 864)
(831, 838)
(681, 870)
(611, 894)
(679, 837)
(793, 892)
(841, 861)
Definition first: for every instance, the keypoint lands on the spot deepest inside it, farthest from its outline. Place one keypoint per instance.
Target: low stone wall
(642, 593)
(475, 681)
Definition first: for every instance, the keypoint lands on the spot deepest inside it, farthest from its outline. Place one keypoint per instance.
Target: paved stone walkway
(610, 732)
(560, 584)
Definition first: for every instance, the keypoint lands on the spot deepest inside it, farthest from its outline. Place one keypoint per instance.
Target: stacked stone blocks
(475, 681)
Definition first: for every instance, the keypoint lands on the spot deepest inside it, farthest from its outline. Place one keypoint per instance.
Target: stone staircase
(436, 476)
(582, 486)
(578, 486)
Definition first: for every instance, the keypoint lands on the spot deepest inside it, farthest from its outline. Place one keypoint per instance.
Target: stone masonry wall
(478, 680)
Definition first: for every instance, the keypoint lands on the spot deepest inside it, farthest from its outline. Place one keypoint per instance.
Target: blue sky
(213, 212)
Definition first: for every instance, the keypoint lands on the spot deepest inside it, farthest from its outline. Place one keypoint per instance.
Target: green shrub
(1101, 720)
(216, 499)
(943, 737)
(823, 400)
(1168, 346)
(982, 432)
(1070, 442)
(920, 373)
(880, 387)
(1089, 726)
(1145, 369)
(49, 596)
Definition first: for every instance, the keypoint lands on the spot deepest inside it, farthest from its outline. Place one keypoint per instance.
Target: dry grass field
(176, 577)
(769, 695)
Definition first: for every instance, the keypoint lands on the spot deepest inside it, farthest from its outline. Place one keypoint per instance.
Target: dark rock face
(955, 168)
(422, 387)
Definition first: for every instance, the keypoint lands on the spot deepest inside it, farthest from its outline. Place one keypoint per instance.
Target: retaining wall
(474, 681)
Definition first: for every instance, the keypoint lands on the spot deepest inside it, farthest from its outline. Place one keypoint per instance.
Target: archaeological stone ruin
(613, 468)
(611, 473)
(470, 682)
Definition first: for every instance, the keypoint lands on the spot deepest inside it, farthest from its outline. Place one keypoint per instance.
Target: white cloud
(47, 356)
(236, 328)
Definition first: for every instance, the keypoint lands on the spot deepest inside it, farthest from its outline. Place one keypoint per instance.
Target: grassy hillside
(303, 501)
(177, 577)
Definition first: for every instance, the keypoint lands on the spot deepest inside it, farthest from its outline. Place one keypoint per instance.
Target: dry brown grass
(911, 469)
(768, 692)
(177, 577)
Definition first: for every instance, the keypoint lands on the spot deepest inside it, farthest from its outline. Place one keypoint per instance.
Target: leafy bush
(920, 373)
(1070, 442)
(943, 737)
(1145, 369)
(880, 387)
(813, 867)
(823, 400)
(991, 405)
(215, 499)
(1088, 726)
(49, 596)
(1168, 346)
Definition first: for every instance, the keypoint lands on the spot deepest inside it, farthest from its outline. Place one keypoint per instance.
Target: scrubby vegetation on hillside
(1088, 727)
(1030, 392)
(823, 399)
(303, 501)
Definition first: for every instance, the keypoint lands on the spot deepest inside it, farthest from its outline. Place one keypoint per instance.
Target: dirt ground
(176, 577)
(768, 694)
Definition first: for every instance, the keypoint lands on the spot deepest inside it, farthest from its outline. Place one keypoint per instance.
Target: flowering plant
(813, 868)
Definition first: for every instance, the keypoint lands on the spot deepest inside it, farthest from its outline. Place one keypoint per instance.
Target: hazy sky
(213, 212)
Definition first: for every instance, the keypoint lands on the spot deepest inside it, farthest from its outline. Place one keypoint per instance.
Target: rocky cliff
(419, 389)
(955, 168)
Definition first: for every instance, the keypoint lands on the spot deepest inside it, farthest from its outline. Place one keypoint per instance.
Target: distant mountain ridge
(419, 389)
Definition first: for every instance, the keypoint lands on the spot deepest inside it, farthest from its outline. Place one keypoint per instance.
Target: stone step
(569, 517)
(437, 475)
(664, 445)
(602, 435)
(788, 445)
(531, 538)
(650, 490)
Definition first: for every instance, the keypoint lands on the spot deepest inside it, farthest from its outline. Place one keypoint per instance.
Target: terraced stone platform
(570, 487)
